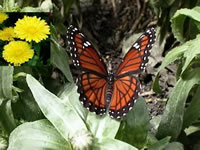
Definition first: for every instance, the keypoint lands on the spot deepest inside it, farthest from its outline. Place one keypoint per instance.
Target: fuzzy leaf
(6, 80)
(38, 135)
(111, 144)
(62, 116)
(7, 119)
(102, 126)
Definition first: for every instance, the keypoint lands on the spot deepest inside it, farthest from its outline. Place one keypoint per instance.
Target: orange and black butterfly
(102, 89)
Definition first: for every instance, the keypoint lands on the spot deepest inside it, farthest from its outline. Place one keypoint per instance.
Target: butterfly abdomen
(109, 90)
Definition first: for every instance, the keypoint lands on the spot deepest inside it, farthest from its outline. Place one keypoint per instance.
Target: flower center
(18, 53)
(32, 30)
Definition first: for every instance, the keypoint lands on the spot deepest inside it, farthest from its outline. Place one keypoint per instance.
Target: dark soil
(108, 23)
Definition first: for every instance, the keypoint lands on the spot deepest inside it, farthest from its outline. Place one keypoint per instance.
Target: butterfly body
(101, 88)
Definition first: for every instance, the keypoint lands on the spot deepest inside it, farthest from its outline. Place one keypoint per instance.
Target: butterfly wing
(125, 93)
(92, 81)
(92, 90)
(83, 54)
(137, 57)
(126, 86)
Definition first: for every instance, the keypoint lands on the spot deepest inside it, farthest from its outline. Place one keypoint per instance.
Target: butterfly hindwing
(92, 90)
(137, 57)
(125, 93)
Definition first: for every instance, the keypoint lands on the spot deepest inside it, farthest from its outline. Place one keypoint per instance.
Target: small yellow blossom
(32, 28)
(3, 17)
(7, 34)
(17, 52)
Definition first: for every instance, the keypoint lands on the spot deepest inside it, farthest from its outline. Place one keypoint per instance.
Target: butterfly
(103, 90)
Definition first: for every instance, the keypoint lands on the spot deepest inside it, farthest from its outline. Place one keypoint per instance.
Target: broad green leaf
(192, 51)
(102, 126)
(112, 144)
(27, 105)
(192, 112)
(174, 54)
(60, 59)
(6, 117)
(175, 146)
(160, 145)
(172, 119)
(62, 116)
(136, 126)
(70, 97)
(6, 80)
(178, 21)
(38, 135)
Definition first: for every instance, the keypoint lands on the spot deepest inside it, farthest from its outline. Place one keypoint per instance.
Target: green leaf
(160, 145)
(192, 112)
(174, 54)
(192, 52)
(136, 126)
(7, 119)
(6, 80)
(178, 21)
(175, 146)
(38, 135)
(111, 144)
(156, 87)
(70, 97)
(60, 59)
(172, 119)
(102, 126)
(63, 117)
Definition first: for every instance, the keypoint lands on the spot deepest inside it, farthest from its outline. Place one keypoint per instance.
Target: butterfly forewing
(84, 56)
(137, 57)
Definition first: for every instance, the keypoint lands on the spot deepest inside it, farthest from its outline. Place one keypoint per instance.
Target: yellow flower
(32, 28)
(17, 52)
(3, 17)
(7, 34)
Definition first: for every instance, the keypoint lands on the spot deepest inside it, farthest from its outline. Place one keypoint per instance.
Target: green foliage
(38, 135)
(59, 57)
(137, 125)
(172, 119)
(6, 81)
(180, 19)
(176, 118)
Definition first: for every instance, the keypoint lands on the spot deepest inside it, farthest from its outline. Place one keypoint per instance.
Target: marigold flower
(17, 52)
(3, 17)
(7, 34)
(32, 28)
